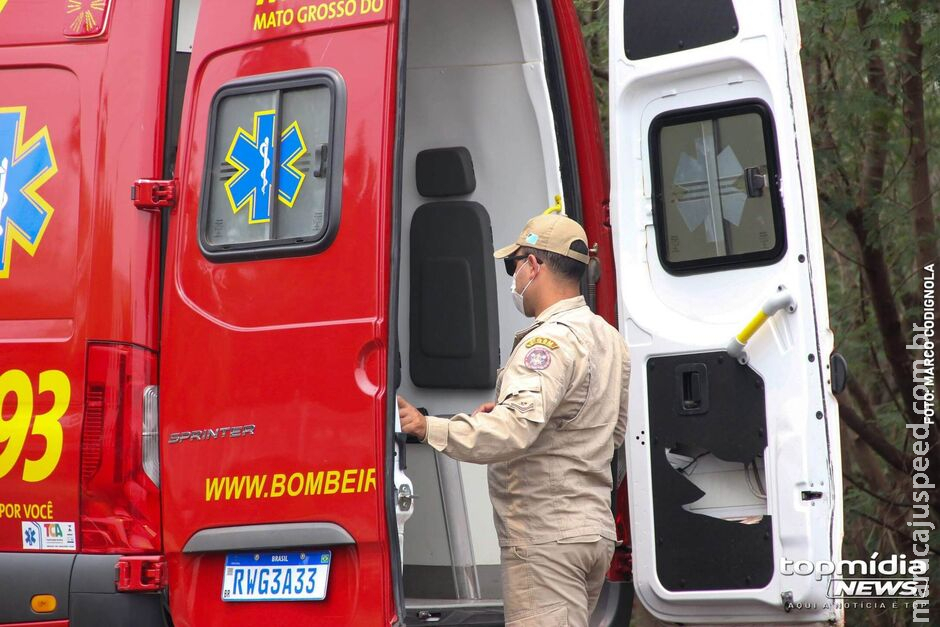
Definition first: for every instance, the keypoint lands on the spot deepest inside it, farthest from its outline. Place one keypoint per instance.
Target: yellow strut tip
(556, 208)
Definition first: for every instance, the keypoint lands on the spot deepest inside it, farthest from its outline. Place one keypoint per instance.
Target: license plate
(276, 576)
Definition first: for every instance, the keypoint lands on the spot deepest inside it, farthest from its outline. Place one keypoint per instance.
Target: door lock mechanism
(405, 497)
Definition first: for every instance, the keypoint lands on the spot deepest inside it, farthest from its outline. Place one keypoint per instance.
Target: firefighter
(560, 411)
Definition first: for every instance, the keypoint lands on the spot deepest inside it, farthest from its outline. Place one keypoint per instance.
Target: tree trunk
(912, 84)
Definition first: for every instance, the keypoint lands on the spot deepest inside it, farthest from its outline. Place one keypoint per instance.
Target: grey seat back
(454, 322)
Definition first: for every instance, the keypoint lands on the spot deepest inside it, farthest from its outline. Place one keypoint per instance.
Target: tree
(868, 87)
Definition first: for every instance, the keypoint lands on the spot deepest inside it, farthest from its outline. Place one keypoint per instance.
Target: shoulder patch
(538, 358)
(542, 341)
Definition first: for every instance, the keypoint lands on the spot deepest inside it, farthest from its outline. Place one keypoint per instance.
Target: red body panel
(295, 346)
(94, 273)
(595, 197)
(589, 151)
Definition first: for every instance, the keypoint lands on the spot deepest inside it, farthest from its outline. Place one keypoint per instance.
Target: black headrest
(445, 172)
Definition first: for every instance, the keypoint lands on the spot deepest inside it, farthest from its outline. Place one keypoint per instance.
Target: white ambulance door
(734, 462)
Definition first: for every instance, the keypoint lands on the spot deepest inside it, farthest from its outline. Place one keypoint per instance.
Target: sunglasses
(511, 263)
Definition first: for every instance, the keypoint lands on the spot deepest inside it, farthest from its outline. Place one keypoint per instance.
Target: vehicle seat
(454, 321)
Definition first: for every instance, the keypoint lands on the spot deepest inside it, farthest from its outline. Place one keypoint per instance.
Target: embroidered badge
(538, 358)
(542, 341)
(522, 406)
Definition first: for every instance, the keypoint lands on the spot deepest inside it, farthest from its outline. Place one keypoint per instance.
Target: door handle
(323, 154)
(839, 373)
(401, 439)
(691, 389)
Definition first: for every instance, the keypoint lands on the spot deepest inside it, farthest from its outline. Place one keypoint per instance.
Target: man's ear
(534, 264)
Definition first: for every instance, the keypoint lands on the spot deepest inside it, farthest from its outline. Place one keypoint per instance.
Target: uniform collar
(556, 309)
(560, 307)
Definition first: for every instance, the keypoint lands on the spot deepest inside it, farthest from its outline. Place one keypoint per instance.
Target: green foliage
(852, 117)
(593, 16)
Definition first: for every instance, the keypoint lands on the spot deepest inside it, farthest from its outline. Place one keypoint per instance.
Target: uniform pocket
(552, 617)
(524, 397)
(499, 378)
(529, 383)
(519, 598)
(581, 396)
(579, 539)
(520, 552)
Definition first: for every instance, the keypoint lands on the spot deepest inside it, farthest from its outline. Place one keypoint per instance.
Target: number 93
(14, 430)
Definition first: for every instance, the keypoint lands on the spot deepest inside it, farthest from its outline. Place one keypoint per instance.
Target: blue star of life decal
(30, 537)
(251, 153)
(24, 167)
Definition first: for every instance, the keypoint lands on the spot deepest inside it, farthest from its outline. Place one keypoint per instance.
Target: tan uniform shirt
(561, 410)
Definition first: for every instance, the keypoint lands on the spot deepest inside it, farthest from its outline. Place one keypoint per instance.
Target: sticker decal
(30, 537)
(531, 238)
(251, 154)
(24, 167)
(691, 180)
(48, 536)
(313, 14)
(538, 358)
(85, 17)
(302, 483)
(542, 341)
(40, 511)
(17, 389)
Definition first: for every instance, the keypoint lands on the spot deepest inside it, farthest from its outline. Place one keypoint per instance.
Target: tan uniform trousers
(555, 584)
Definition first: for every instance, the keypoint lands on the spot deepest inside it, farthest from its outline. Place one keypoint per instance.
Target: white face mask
(517, 299)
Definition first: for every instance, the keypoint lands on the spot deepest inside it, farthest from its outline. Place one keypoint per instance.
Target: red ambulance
(83, 110)
(232, 230)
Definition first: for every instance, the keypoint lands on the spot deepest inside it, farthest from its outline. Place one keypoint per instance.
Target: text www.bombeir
(277, 485)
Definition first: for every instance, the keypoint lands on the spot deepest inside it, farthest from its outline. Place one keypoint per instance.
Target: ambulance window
(716, 200)
(655, 27)
(273, 172)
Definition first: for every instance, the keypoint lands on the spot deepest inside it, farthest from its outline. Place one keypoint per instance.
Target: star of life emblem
(25, 165)
(252, 153)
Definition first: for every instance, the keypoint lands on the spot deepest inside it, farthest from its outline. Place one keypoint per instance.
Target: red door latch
(140, 573)
(153, 195)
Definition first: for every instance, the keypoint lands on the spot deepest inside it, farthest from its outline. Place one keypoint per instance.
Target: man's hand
(485, 407)
(412, 421)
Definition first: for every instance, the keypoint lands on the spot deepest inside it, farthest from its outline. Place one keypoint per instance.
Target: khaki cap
(553, 232)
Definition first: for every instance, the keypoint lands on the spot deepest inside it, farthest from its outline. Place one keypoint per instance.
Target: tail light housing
(120, 501)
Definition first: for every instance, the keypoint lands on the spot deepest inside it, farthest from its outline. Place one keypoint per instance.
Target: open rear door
(734, 443)
(273, 402)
